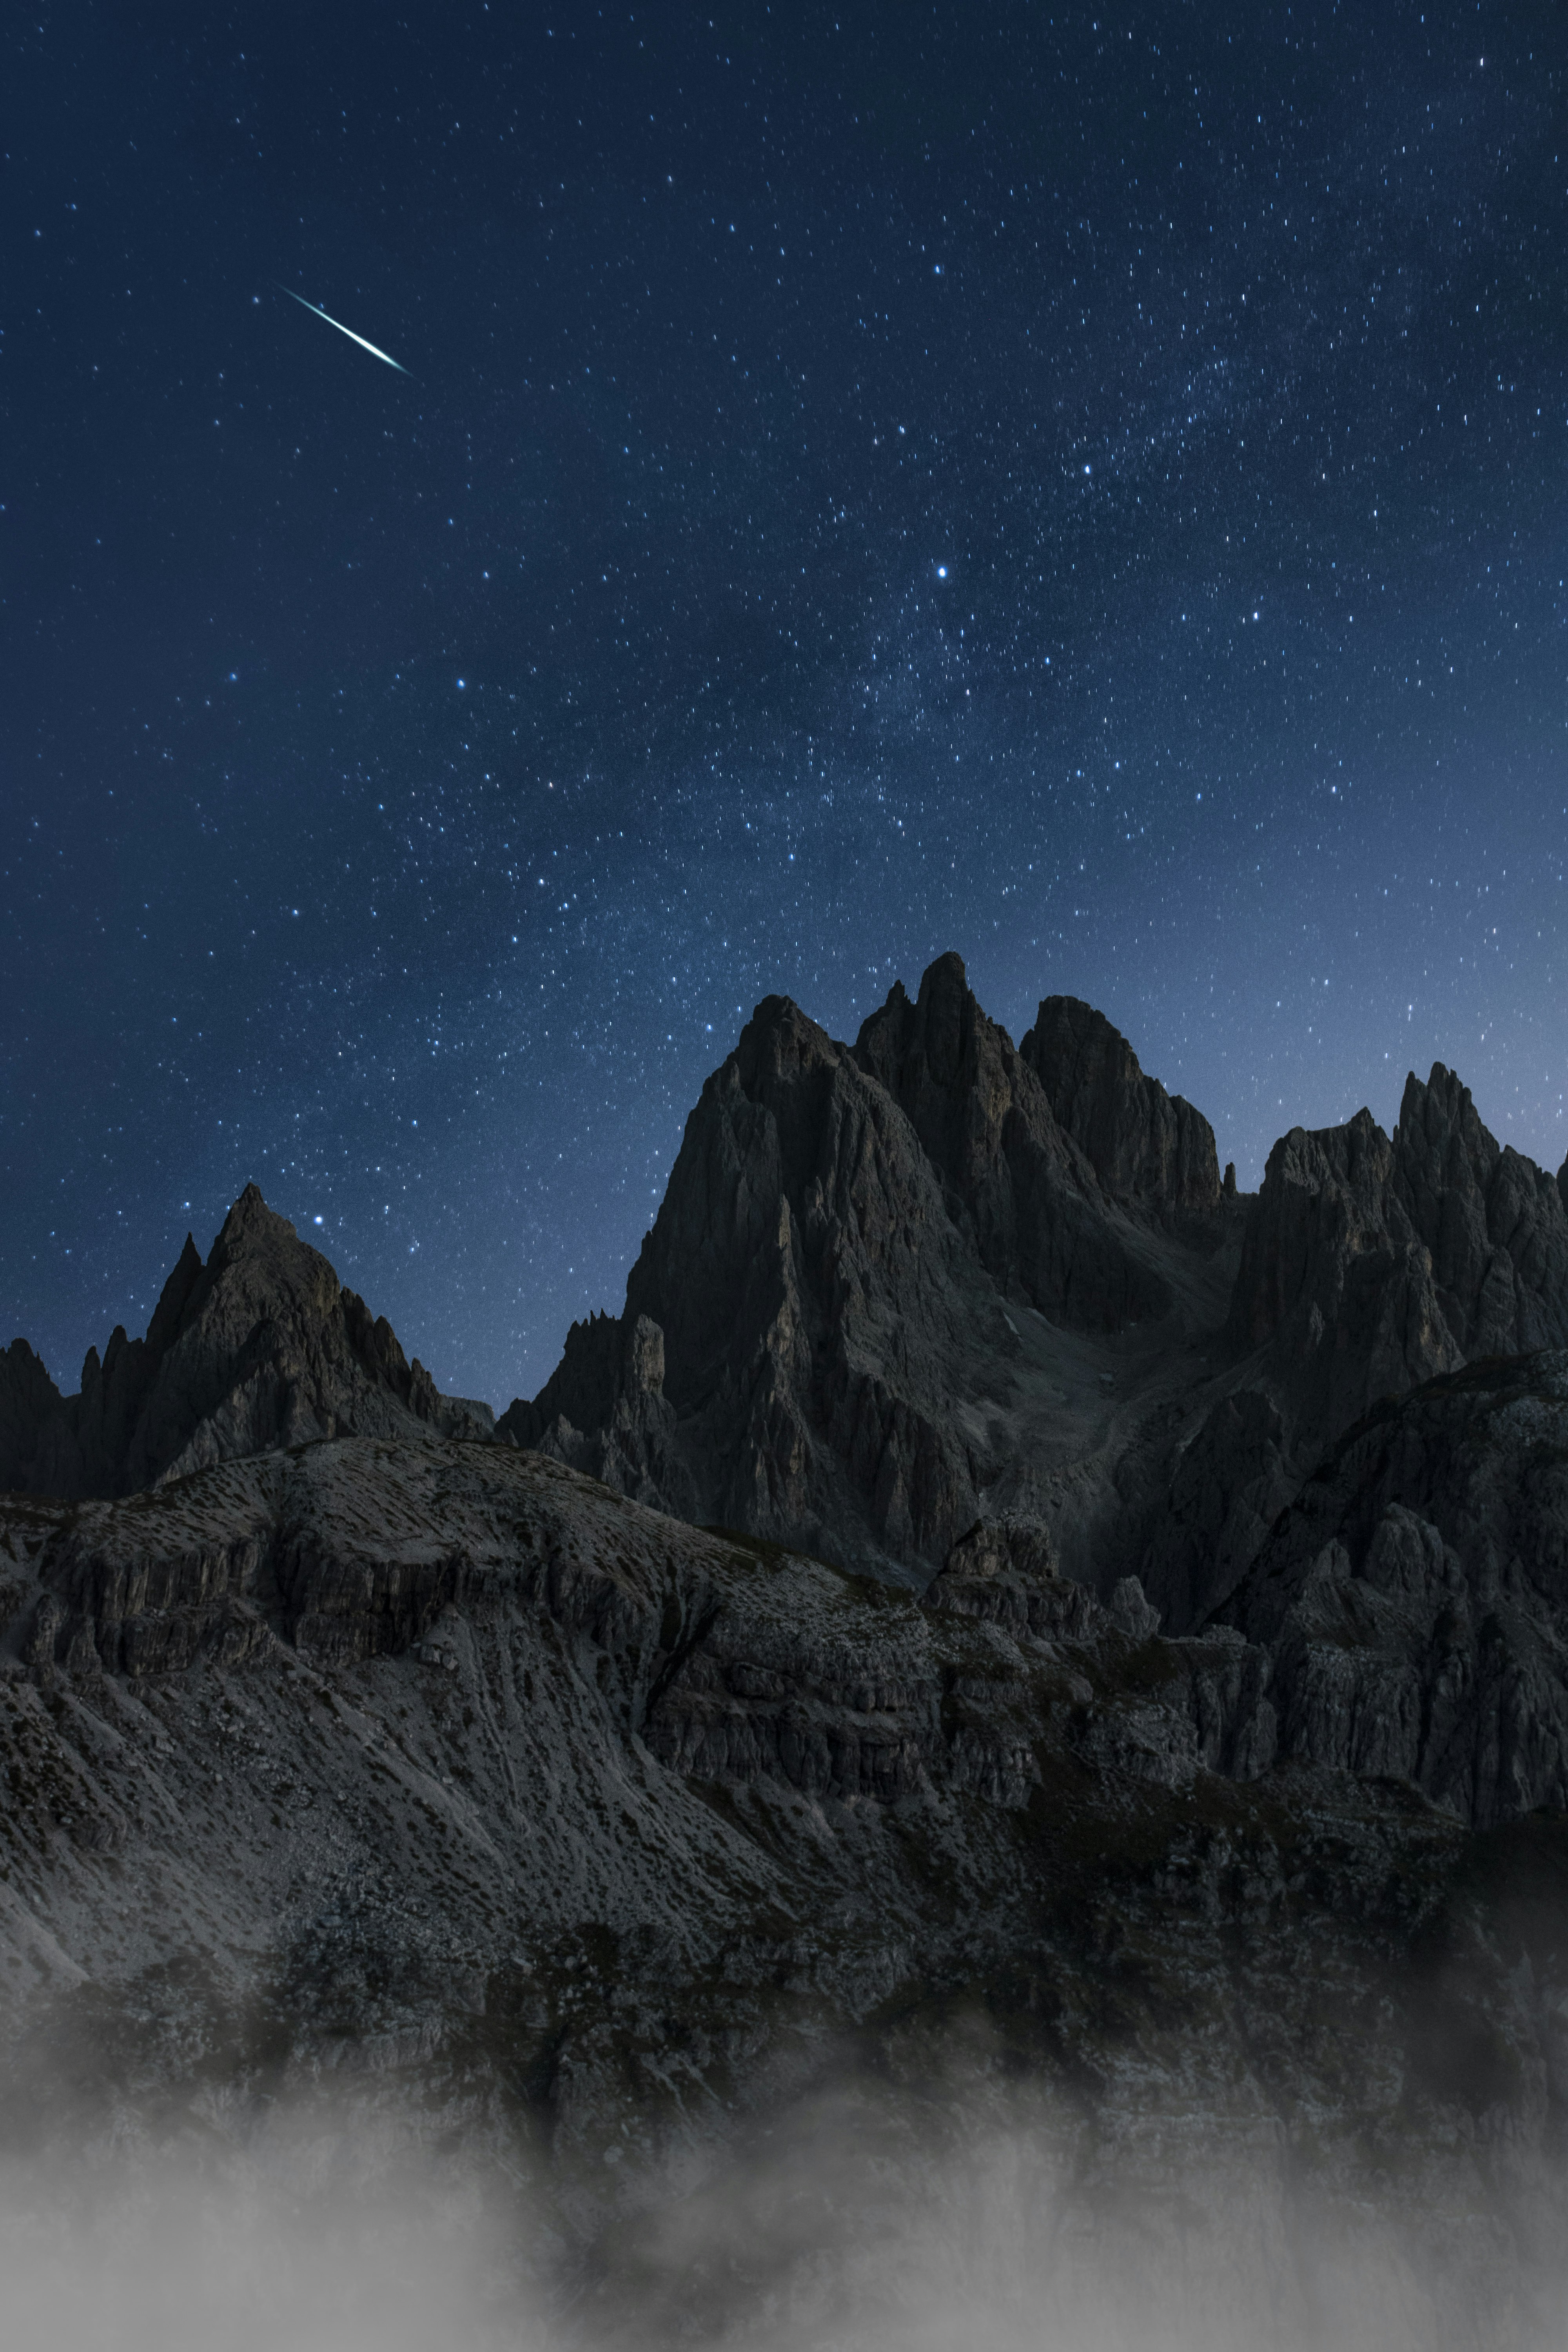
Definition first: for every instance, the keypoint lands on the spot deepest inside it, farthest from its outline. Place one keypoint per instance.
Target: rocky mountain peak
(829, 1271)
(953, 1073)
(250, 1215)
(260, 1347)
(175, 1298)
(1042, 1225)
(1372, 1262)
(1145, 1146)
(781, 1042)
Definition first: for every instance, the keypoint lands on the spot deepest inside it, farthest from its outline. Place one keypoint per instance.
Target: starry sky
(1088, 487)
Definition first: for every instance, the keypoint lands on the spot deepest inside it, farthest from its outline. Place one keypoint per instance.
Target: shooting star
(342, 330)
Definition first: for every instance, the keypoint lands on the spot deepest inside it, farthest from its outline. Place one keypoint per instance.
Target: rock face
(258, 1348)
(445, 1775)
(1414, 1598)
(1369, 1263)
(802, 1225)
(1146, 1147)
(1372, 1262)
(1032, 1200)
(1229, 1485)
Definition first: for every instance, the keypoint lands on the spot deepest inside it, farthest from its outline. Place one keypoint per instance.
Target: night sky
(1089, 490)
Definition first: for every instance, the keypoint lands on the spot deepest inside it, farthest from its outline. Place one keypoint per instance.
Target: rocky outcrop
(814, 1300)
(1372, 1262)
(1004, 1572)
(604, 1411)
(827, 1336)
(1147, 1148)
(902, 1288)
(258, 1348)
(1414, 1598)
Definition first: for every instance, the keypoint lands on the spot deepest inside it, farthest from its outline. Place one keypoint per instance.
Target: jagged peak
(1074, 1018)
(1144, 1143)
(1361, 1126)
(175, 1298)
(1442, 1090)
(945, 1031)
(251, 1223)
(778, 1038)
(945, 979)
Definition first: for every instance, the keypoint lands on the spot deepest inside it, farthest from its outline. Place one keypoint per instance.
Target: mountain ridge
(998, 1608)
(897, 1286)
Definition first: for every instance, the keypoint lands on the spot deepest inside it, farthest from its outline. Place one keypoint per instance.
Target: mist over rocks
(439, 1791)
(258, 1348)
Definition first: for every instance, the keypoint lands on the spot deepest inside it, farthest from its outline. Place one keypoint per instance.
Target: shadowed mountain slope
(1369, 1263)
(1372, 1262)
(897, 1287)
(1414, 1597)
(1193, 1765)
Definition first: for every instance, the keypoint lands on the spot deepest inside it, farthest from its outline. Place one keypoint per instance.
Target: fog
(866, 2220)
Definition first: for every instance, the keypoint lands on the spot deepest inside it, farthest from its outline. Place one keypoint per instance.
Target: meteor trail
(342, 330)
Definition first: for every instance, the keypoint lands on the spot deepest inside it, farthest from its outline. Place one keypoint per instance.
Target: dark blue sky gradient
(1090, 490)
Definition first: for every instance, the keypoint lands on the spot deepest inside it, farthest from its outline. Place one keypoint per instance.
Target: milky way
(1090, 492)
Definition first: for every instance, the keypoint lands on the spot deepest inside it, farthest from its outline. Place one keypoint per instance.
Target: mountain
(899, 1286)
(1414, 1597)
(1008, 1663)
(888, 1287)
(258, 1348)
